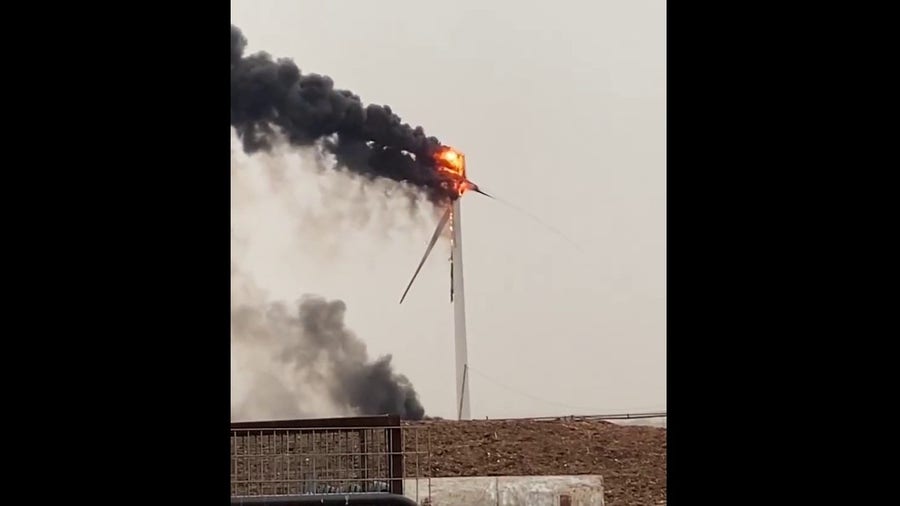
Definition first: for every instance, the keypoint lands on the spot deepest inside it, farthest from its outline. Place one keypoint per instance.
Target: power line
(655, 414)
(620, 416)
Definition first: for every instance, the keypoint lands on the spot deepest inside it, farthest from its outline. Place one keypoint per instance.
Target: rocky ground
(631, 459)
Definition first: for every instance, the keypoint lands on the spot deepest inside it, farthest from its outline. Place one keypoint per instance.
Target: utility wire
(547, 401)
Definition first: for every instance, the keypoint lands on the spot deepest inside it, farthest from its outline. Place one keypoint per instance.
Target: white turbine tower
(458, 296)
(453, 163)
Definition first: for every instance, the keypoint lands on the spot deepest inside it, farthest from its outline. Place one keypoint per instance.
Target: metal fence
(324, 456)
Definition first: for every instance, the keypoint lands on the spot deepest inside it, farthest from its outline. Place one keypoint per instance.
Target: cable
(660, 413)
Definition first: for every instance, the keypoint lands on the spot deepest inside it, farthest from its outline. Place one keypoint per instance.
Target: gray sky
(560, 107)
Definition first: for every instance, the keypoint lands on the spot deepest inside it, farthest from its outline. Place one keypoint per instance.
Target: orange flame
(453, 163)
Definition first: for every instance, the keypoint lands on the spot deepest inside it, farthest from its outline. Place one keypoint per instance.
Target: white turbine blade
(437, 233)
(533, 217)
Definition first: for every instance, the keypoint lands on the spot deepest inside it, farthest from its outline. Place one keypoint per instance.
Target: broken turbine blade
(437, 233)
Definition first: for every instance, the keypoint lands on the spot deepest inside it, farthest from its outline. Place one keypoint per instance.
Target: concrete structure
(586, 490)
(459, 314)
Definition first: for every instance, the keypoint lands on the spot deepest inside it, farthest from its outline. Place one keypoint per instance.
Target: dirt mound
(631, 459)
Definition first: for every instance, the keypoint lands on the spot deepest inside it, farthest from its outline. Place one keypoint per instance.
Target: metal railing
(277, 462)
(359, 455)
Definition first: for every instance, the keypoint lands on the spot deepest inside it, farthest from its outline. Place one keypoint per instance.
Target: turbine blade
(483, 193)
(533, 217)
(437, 233)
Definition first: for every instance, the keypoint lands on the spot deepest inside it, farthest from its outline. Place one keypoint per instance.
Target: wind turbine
(453, 163)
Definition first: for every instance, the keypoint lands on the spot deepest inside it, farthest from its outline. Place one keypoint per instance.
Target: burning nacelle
(451, 164)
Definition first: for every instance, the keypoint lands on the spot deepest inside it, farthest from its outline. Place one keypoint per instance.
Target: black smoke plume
(271, 97)
(315, 342)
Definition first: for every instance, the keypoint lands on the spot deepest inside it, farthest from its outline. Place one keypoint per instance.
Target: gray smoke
(301, 360)
(330, 365)
(272, 98)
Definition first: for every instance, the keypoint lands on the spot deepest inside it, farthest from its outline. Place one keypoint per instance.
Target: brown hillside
(631, 459)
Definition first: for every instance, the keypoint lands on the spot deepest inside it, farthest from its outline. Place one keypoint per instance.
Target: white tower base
(459, 316)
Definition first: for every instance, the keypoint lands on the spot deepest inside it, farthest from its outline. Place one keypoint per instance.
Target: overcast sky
(560, 107)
